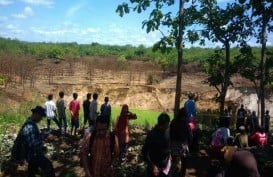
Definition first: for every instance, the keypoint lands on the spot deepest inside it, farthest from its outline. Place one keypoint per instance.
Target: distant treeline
(60, 51)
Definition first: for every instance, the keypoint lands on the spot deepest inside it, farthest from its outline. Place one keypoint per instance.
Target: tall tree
(262, 16)
(227, 25)
(161, 18)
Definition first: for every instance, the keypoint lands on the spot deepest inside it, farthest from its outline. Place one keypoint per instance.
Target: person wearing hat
(34, 145)
(241, 139)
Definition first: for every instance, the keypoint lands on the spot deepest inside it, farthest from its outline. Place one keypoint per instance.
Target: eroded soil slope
(139, 84)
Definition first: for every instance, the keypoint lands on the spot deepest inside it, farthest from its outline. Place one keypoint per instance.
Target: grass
(12, 121)
(144, 117)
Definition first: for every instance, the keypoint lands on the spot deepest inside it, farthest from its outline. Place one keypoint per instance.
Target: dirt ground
(66, 162)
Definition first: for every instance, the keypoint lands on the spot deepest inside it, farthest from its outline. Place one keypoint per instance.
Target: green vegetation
(61, 51)
(10, 121)
(144, 117)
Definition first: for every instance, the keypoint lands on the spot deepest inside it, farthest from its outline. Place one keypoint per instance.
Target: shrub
(151, 78)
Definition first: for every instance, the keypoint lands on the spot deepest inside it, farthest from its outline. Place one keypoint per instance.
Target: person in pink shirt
(259, 138)
(74, 107)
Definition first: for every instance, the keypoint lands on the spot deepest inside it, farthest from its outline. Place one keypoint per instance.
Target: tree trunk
(180, 58)
(263, 61)
(226, 79)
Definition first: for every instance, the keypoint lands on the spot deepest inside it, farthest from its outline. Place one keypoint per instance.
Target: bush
(122, 62)
(151, 78)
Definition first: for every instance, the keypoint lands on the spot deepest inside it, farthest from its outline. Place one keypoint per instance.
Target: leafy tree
(214, 66)
(262, 18)
(248, 66)
(56, 53)
(160, 18)
(225, 25)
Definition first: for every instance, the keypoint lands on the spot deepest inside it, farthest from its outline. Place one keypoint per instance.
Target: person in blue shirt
(190, 106)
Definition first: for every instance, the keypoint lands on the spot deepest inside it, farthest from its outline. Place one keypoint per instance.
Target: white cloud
(10, 26)
(14, 30)
(55, 32)
(74, 9)
(27, 12)
(39, 2)
(122, 35)
(89, 31)
(6, 2)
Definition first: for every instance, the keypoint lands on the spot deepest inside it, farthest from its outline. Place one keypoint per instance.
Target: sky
(81, 21)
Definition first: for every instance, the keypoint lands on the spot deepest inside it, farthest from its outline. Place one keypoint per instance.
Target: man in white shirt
(50, 109)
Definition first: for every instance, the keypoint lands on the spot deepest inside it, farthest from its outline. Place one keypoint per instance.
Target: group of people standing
(99, 146)
(90, 112)
(166, 148)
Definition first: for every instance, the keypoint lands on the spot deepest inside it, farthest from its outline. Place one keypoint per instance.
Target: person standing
(99, 151)
(94, 109)
(86, 110)
(105, 111)
(51, 112)
(122, 130)
(252, 122)
(267, 121)
(61, 106)
(241, 114)
(74, 107)
(181, 138)
(156, 149)
(34, 145)
(190, 106)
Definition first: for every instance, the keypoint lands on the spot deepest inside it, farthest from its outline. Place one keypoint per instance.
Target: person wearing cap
(241, 139)
(34, 145)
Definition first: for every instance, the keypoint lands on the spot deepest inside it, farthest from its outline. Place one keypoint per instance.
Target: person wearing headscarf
(122, 130)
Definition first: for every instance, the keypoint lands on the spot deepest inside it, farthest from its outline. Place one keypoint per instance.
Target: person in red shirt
(122, 130)
(259, 138)
(74, 107)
